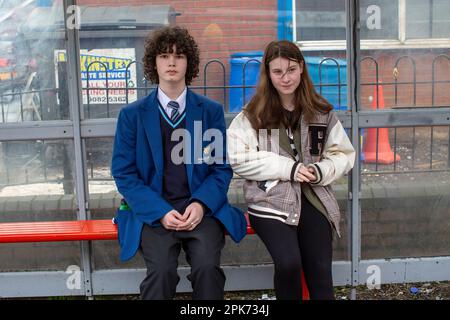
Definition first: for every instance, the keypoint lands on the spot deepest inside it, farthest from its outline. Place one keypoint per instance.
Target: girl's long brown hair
(264, 110)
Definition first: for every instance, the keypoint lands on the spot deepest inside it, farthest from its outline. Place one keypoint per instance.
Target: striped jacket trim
(263, 210)
(265, 216)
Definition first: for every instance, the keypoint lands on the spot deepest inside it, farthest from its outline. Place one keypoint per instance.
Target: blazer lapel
(150, 119)
(194, 113)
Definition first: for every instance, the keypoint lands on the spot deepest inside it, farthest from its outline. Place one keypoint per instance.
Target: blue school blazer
(137, 168)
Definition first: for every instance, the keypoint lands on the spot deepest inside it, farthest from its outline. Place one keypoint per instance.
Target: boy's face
(171, 68)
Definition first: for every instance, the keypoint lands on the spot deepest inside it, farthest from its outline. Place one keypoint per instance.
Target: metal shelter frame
(243, 277)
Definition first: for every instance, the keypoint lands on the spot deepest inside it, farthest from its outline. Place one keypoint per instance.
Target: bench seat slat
(48, 231)
(57, 231)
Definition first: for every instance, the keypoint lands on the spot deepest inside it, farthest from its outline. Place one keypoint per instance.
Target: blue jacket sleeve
(145, 203)
(213, 191)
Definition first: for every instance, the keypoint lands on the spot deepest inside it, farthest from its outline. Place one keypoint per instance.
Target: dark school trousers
(160, 249)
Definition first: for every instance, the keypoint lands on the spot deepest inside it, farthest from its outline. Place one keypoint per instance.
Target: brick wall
(423, 60)
(386, 60)
(223, 28)
(220, 28)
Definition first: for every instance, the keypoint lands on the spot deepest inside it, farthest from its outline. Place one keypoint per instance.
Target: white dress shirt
(164, 100)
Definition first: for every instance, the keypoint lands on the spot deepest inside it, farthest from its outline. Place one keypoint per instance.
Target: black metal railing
(33, 103)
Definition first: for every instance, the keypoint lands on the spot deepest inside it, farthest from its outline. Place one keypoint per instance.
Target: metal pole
(76, 111)
(353, 72)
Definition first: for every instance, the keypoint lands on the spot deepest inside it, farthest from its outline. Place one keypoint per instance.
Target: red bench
(57, 231)
(52, 231)
(61, 231)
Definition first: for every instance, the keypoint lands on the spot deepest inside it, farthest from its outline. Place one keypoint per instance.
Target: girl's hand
(305, 174)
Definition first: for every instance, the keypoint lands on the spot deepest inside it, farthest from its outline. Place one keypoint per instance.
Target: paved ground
(407, 291)
(425, 291)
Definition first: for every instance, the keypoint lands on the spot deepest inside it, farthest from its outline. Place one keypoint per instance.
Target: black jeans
(307, 246)
(160, 249)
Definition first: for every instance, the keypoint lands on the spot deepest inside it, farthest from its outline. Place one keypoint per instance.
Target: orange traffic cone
(384, 152)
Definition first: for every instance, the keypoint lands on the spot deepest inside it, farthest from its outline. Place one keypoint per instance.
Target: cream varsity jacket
(258, 157)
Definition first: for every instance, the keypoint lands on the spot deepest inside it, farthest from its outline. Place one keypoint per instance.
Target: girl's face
(285, 75)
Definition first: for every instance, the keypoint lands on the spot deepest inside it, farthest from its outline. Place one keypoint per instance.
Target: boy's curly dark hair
(162, 41)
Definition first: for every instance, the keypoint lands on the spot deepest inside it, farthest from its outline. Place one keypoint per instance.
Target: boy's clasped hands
(192, 216)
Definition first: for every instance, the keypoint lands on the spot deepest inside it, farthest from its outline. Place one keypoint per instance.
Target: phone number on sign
(113, 99)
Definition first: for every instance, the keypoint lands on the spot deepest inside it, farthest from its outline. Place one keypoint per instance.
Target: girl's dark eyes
(279, 71)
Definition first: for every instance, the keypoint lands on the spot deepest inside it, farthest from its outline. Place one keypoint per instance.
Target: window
(385, 24)
(379, 19)
(427, 19)
(320, 20)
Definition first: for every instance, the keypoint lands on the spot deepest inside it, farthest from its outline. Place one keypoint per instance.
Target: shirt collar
(164, 100)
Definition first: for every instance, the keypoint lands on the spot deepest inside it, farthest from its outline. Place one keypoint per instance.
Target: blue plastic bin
(252, 61)
(332, 74)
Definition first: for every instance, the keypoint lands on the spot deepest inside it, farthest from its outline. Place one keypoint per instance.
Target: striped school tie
(175, 113)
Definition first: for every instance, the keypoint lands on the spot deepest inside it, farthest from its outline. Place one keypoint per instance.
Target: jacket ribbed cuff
(318, 172)
(294, 170)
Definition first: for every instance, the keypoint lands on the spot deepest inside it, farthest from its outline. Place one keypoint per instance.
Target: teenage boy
(174, 204)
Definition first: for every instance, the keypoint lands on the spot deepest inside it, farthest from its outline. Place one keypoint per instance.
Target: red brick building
(226, 27)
